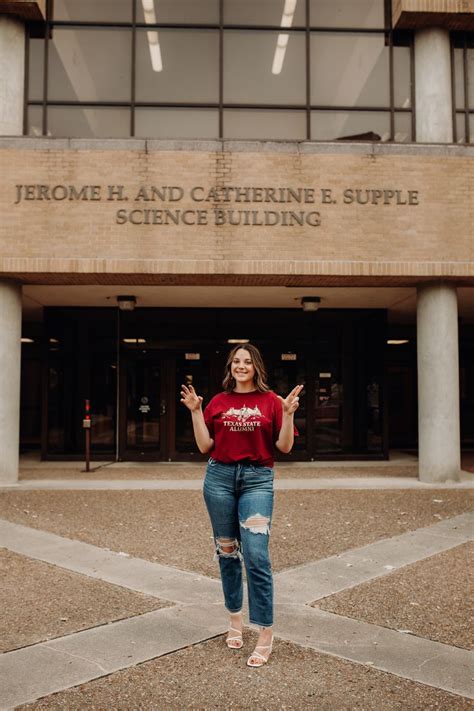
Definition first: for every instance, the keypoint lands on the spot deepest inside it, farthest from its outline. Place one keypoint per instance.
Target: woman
(240, 427)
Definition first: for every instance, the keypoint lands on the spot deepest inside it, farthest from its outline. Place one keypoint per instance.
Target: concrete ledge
(218, 146)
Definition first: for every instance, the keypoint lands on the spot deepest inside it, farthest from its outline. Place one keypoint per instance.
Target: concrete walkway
(42, 669)
(348, 483)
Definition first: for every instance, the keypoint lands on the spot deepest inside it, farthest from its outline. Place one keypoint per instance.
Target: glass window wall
(186, 12)
(283, 13)
(331, 125)
(176, 123)
(177, 66)
(347, 13)
(261, 68)
(261, 124)
(264, 69)
(349, 70)
(463, 87)
(88, 122)
(402, 77)
(90, 65)
(35, 69)
(92, 10)
(34, 119)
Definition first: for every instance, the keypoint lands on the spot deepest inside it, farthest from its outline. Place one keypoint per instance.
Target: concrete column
(434, 119)
(12, 75)
(10, 367)
(438, 383)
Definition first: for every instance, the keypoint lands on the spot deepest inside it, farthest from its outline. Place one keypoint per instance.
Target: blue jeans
(239, 499)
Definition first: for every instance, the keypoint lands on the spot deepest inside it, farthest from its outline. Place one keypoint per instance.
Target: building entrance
(130, 365)
(153, 424)
(143, 422)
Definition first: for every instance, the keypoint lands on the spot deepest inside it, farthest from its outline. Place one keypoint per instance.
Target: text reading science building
(178, 181)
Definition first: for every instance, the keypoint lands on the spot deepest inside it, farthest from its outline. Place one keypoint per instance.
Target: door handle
(163, 407)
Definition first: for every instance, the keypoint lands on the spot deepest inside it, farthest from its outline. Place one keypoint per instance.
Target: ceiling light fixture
(310, 303)
(126, 303)
(238, 340)
(153, 39)
(282, 41)
(400, 342)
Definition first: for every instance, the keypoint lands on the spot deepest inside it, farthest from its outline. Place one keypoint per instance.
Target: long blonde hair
(260, 377)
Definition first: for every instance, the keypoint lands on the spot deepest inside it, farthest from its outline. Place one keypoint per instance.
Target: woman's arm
(193, 402)
(289, 405)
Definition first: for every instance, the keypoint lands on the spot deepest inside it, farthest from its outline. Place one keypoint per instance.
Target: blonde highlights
(260, 377)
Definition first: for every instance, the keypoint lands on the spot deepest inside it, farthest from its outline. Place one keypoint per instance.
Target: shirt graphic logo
(245, 419)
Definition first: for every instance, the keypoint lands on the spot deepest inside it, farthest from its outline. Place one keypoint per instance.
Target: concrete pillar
(434, 118)
(10, 368)
(12, 75)
(438, 383)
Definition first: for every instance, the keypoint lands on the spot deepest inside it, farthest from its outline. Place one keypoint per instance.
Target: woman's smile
(242, 368)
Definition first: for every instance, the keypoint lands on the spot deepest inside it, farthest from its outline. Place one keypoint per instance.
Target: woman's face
(242, 369)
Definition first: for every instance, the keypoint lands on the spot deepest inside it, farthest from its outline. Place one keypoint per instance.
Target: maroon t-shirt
(244, 426)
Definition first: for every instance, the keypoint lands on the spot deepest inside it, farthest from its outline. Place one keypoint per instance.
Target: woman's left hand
(292, 401)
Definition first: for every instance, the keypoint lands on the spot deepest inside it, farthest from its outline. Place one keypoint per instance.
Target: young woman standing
(240, 428)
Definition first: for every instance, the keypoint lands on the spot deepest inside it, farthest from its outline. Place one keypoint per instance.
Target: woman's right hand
(189, 398)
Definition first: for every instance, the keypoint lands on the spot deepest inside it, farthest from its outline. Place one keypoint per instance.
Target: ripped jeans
(239, 499)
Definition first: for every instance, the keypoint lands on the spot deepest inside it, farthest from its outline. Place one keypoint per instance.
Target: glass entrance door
(286, 370)
(143, 408)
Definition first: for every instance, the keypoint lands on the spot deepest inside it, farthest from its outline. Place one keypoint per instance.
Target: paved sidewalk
(174, 657)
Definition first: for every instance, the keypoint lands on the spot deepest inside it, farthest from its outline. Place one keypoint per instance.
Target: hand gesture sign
(292, 401)
(190, 398)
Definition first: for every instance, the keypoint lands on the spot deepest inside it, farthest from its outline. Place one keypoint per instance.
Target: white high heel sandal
(237, 638)
(261, 659)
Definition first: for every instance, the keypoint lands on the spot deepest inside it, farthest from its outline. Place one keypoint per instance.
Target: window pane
(266, 124)
(196, 12)
(93, 11)
(347, 13)
(103, 385)
(176, 123)
(349, 70)
(195, 373)
(470, 77)
(402, 77)
(177, 65)
(459, 77)
(88, 122)
(287, 13)
(36, 70)
(331, 125)
(35, 121)
(90, 65)
(264, 68)
(403, 132)
(460, 128)
(56, 414)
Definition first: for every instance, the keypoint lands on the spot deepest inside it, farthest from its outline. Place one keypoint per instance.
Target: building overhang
(455, 15)
(31, 13)
(238, 274)
(24, 10)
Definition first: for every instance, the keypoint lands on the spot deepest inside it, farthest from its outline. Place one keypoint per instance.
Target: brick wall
(418, 221)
